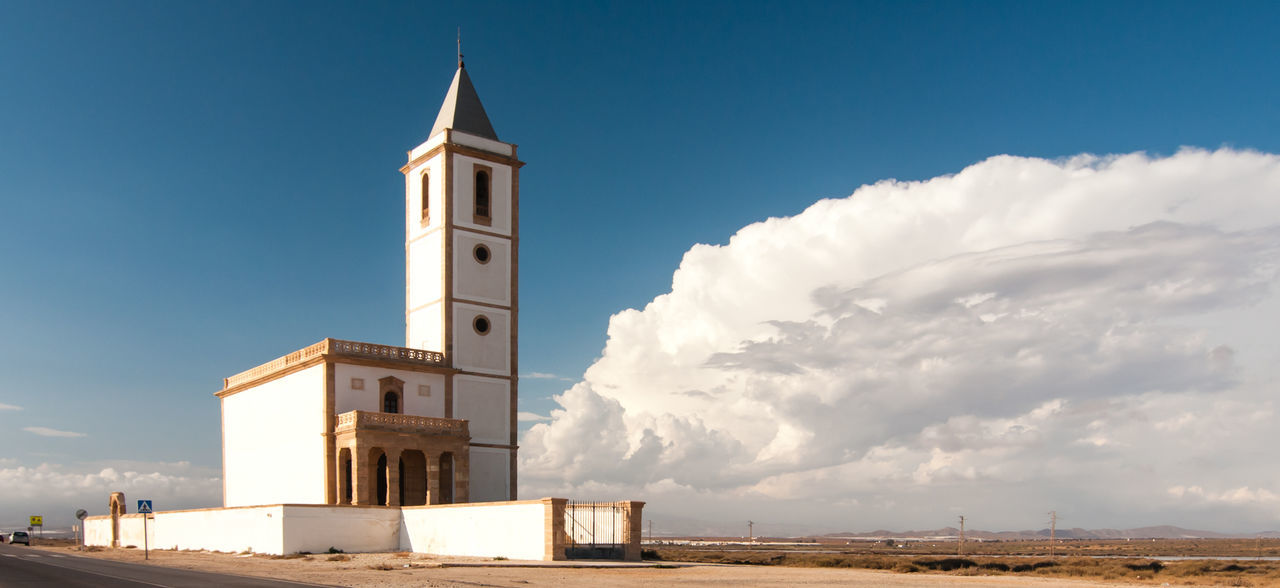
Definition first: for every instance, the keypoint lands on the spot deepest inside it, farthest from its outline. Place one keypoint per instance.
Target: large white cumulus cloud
(1023, 335)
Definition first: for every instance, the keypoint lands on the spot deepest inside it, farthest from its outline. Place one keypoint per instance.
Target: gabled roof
(462, 110)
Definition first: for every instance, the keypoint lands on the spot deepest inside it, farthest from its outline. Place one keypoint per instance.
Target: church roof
(462, 110)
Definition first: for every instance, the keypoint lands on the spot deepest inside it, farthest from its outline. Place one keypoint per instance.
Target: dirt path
(405, 569)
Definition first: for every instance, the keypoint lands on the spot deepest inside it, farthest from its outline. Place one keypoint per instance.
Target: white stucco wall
(425, 271)
(424, 328)
(97, 531)
(464, 195)
(489, 353)
(486, 402)
(482, 282)
(516, 530)
(490, 474)
(131, 531)
(273, 448)
(510, 529)
(257, 529)
(352, 529)
(347, 399)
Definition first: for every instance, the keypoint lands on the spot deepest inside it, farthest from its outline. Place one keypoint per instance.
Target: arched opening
(391, 402)
(413, 478)
(380, 472)
(426, 196)
(446, 478)
(482, 195)
(345, 482)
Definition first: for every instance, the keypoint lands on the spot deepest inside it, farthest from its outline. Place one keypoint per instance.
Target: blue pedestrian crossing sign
(144, 507)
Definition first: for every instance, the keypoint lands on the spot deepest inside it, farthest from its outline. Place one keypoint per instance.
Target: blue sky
(190, 189)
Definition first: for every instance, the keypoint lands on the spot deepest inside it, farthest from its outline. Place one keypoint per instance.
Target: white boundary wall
(256, 529)
(516, 530)
(509, 529)
(97, 531)
(349, 528)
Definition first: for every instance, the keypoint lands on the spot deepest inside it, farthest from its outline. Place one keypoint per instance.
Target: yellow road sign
(37, 521)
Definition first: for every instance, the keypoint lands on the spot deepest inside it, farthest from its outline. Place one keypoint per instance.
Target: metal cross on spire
(460, 65)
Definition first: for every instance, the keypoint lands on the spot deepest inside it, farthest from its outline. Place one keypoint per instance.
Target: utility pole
(650, 530)
(1053, 531)
(960, 549)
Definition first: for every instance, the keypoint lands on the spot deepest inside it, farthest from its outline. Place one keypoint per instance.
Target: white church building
(433, 422)
(371, 447)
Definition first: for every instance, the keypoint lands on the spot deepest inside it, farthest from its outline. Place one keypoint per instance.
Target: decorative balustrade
(358, 419)
(338, 347)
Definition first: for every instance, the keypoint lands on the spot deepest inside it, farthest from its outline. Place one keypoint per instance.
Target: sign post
(144, 508)
(80, 514)
(37, 521)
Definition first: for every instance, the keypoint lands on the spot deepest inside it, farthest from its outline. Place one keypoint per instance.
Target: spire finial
(460, 65)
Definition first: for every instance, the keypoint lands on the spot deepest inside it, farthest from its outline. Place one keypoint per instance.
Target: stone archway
(346, 476)
(116, 504)
(413, 478)
(380, 480)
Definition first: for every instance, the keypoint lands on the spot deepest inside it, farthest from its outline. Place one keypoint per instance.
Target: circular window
(481, 325)
(482, 253)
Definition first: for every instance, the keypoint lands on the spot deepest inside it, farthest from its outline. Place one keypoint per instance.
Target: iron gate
(595, 530)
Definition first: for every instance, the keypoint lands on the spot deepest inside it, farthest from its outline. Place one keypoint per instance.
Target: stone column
(433, 478)
(554, 538)
(633, 528)
(462, 476)
(393, 476)
(361, 493)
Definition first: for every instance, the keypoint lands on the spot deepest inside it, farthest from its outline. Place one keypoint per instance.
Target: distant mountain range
(1159, 532)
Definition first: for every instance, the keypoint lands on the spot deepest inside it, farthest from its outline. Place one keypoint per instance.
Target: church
(434, 421)
(369, 447)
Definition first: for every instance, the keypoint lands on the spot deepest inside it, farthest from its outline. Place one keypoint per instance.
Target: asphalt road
(23, 566)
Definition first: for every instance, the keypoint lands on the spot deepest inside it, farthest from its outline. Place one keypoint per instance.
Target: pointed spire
(462, 110)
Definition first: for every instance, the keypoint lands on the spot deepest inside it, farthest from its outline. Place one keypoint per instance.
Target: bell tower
(461, 250)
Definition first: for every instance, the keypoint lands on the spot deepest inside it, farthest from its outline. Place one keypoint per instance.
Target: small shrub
(945, 564)
(499, 558)
(995, 566)
(650, 554)
(383, 566)
(1152, 566)
(339, 557)
(906, 568)
(333, 549)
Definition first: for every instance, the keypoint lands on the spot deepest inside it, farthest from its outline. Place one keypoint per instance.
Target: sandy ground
(405, 569)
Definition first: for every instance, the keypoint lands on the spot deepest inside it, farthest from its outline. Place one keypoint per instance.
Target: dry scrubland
(1113, 560)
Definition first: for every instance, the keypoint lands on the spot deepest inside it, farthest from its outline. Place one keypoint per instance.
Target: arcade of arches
(401, 460)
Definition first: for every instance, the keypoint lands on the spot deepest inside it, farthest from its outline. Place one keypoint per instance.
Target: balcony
(400, 423)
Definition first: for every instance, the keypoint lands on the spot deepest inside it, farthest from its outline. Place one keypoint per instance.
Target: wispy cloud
(47, 432)
(544, 376)
(4, 406)
(527, 417)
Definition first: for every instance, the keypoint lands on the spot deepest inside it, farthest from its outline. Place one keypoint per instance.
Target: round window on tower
(481, 325)
(482, 253)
